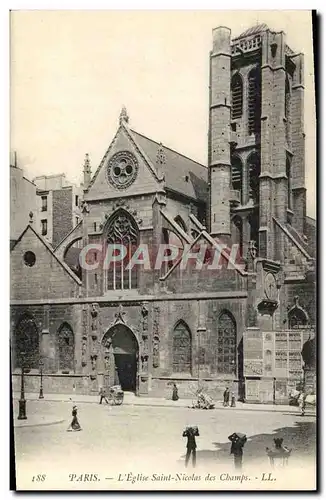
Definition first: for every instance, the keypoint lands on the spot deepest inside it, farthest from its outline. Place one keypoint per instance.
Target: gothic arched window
(287, 108)
(287, 101)
(297, 318)
(66, 348)
(179, 220)
(181, 349)
(238, 236)
(236, 174)
(226, 343)
(26, 344)
(236, 96)
(253, 168)
(289, 177)
(122, 230)
(254, 104)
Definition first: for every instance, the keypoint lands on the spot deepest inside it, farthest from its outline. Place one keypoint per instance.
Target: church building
(242, 324)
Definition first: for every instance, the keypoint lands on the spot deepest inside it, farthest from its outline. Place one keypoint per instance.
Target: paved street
(126, 439)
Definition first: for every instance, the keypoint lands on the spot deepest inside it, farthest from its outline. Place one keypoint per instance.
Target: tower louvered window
(289, 186)
(237, 97)
(254, 106)
(236, 174)
(287, 109)
(254, 173)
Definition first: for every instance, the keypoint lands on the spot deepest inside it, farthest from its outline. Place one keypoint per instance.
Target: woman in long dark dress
(175, 395)
(74, 426)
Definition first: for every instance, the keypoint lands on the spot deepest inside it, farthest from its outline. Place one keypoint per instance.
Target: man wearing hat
(190, 433)
(238, 441)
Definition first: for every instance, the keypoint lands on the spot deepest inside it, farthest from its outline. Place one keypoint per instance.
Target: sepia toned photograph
(163, 250)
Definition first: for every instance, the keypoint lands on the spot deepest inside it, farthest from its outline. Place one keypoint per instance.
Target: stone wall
(46, 279)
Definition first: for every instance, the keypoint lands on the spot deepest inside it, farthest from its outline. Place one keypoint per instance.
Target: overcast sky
(71, 72)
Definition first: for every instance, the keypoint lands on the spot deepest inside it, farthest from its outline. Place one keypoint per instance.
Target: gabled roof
(182, 174)
(123, 126)
(50, 249)
(254, 30)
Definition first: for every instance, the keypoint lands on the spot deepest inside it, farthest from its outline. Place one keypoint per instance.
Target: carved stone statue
(156, 338)
(84, 352)
(144, 363)
(144, 311)
(94, 314)
(94, 361)
(156, 359)
(107, 362)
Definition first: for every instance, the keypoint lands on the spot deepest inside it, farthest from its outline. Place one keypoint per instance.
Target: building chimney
(13, 158)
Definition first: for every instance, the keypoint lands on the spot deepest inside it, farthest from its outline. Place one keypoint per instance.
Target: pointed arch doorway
(120, 355)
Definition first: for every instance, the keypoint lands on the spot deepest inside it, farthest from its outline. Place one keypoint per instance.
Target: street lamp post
(22, 402)
(41, 396)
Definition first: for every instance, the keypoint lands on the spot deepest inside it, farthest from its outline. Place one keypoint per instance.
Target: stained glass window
(66, 348)
(226, 343)
(122, 230)
(181, 349)
(26, 344)
(254, 101)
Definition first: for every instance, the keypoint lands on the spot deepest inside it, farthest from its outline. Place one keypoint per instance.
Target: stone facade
(144, 328)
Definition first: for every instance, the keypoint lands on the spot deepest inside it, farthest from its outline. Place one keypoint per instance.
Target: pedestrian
(175, 395)
(74, 426)
(102, 394)
(237, 443)
(190, 433)
(226, 396)
(302, 403)
(232, 400)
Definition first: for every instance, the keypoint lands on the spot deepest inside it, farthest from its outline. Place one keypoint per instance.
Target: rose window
(122, 169)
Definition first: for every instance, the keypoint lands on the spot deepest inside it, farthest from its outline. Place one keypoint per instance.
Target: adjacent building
(22, 199)
(58, 206)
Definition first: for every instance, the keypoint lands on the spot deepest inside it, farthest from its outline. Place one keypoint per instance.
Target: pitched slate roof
(254, 30)
(182, 174)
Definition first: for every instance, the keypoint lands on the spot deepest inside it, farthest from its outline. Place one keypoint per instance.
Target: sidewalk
(37, 420)
(132, 400)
